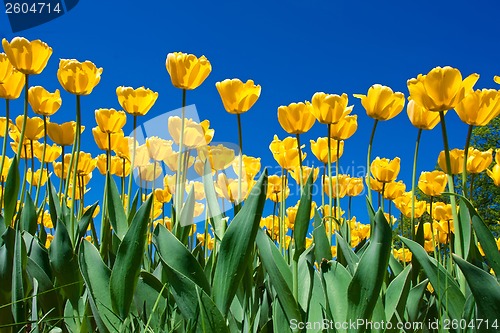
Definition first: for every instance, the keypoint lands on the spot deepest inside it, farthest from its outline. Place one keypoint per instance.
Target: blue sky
(291, 48)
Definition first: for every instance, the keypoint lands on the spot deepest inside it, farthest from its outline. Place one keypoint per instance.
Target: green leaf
(47, 296)
(302, 219)
(485, 289)
(116, 212)
(336, 283)
(184, 291)
(28, 216)
(151, 300)
(54, 206)
(11, 192)
(212, 203)
(84, 221)
(96, 275)
(441, 281)
(175, 255)
(366, 283)
(397, 294)
(306, 278)
(64, 264)
(350, 257)
(234, 251)
(281, 283)
(415, 298)
(127, 266)
(18, 274)
(322, 249)
(211, 320)
(186, 218)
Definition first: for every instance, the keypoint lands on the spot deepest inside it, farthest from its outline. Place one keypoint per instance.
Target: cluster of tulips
(125, 159)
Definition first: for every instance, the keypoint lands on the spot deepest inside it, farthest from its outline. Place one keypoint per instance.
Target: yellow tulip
(375, 185)
(110, 120)
(43, 102)
(432, 183)
(402, 254)
(106, 141)
(48, 241)
(456, 161)
(496, 78)
(57, 166)
(296, 118)
(198, 188)
(441, 211)
(420, 117)
(385, 170)
(251, 166)
(172, 161)
(404, 204)
(101, 163)
(52, 153)
(441, 89)
(186, 70)
(3, 125)
(194, 133)
(394, 190)
(494, 174)
(228, 188)
(345, 127)
(39, 178)
(13, 85)
(285, 152)
(63, 134)
(78, 78)
(5, 67)
(162, 195)
(329, 108)
(158, 148)
(141, 156)
(136, 102)
(34, 127)
(207, 131)
(86, 164)
(354, 186)
(381, 102)
(169, 182)
(120, 167)
(123, 146)
(238, 97)
(306, 171)
(276, 189)
(28, 57)
(150, 172)
(220, 157)
(343, 183)
(5, 169)
(479, 107)
(478, 161)
(497, 156)
(319, 149)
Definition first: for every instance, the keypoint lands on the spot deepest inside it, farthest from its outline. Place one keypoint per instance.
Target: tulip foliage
(135, 261)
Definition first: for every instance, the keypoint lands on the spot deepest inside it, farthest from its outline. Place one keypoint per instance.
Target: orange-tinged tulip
(13, 85)
(106, 141)
(354, 186)
(479, 107)
(186, 70)
(296, 118)
(329, 108)
(432, 183)
(394, 190)
(34, 127)
(52, 153)
(381, 102)
(385, 170)
(320, 149)
(441, 89)
(5, 67)
(136, 102)
(78, 78)
(39, 178)
(63, 134)
(478, 161)
(110, 120)
(158, 148)
(494, 174)
(44, 102)
(420, 117)
(306, 171)
(238, 97)
(345, 127)
(456, 161)
(285, 152)
(28, 57)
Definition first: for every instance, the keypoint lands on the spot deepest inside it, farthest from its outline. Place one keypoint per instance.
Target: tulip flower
(172, 161)
(195, 134)
(285, 152)
(441, 89)
(320, 149)
(110, 120)
(228, 188)
(345, 127)
(381, 103)
(63, 134)
(34, 127)
(354, 186)
(296, 118)
(432, 183)
(341, 186)
(251, 166)
(78, 78)
(478, 161)
(220, 157)
(494, 174)
(238, 97)
(12, 86)
(28, 57)
(441, 211)
(479, 107)
(385, 170)
(277, 190)
(158, 148)
(394, 190)
(420, 117)
(136, 102)
(5, 67)
(52, 153)
(198, 188)
(306, 171)
(150, 172)
(37, 178)
(186, 70)
(106, 141)
(404, 204)
(162, 195)
(329, 108)
(44, 102)
(456, 160)
(86, 164)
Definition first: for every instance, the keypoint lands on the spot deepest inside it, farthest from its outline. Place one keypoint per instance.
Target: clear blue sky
(291, 48)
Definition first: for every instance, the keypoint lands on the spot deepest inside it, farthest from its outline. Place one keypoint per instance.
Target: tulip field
(136, 261)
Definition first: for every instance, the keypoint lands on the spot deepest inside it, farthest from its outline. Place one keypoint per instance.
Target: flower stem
(337, 184)
(301, 172)
(466, 152)
(43, 158)
(368, 160)
(75, 166)
(25, 115)
(131, 175)
(62, 174)
(330, 189)
(5, 138)
(240, 162)
(413, 181)
(178, 176)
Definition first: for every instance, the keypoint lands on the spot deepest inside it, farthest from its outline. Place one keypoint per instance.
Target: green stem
(301, 172)
(466, 152)
(5, 139)
(368, 161)
(330, 189)
(62, 174)
(178, 176)
(413, 181)
(32, 167)
(75, 166)
(131, 175)
(337, 184)
(240, 162)
(25, 115)
(43, 158)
